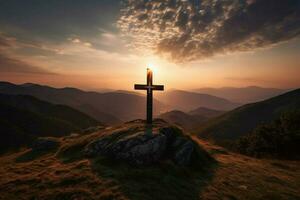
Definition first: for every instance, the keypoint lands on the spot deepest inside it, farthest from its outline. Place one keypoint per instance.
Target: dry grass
(49, 176)
(242, 177)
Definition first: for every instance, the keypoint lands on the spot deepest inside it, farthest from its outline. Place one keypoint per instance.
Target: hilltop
(67, 172)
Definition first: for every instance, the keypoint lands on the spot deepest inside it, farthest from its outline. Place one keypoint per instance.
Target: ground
(65, 174)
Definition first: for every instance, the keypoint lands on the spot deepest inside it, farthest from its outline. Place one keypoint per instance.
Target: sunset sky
(96, 44)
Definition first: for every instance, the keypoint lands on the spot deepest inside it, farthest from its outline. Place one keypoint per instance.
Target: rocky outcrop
(140, 145)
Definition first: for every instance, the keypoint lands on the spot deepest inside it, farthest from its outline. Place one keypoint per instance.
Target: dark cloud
(195, 29)
(56, 20)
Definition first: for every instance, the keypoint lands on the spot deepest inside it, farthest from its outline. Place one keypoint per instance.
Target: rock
(137, 145)
(183, 155)
(45, 143)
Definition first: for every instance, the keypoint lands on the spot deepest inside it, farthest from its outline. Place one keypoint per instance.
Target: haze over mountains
(187, 101)
(243, 95)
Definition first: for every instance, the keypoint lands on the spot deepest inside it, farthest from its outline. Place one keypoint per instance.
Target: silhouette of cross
(149, 87)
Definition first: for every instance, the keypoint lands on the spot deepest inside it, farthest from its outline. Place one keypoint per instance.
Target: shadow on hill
(161, 181)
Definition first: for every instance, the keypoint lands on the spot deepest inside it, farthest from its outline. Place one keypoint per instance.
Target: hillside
(243, 120)
(206, 112)
(182, 119)
(108, 108)
(187, 101)
(243, 95)
(66, 173)
(23, 118)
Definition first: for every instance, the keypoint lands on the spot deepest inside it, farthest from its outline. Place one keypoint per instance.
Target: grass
(66, 174)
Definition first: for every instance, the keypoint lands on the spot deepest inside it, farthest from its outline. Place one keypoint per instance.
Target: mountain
(182, 119)
(65, 172)
(110, 108)
(243, 120)
(23, 118)
(186, 101)
(243, 95)
(206, 112)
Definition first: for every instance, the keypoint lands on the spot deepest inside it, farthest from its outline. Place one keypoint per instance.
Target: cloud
(10, 64)
(186, 30)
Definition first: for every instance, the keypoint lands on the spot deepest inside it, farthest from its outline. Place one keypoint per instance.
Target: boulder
(45, 144)
(141, 145)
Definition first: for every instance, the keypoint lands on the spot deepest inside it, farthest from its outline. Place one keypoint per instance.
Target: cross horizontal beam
(147, 87)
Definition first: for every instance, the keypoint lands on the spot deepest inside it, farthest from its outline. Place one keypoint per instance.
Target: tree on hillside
(279, 139)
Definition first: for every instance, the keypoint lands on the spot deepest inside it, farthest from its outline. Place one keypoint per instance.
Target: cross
(149, 87)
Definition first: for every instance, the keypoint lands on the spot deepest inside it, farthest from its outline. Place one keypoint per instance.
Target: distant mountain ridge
(109, 108)
(192, 119)
(23, 118)
(244, 119)
(187, 101)
(243, 95)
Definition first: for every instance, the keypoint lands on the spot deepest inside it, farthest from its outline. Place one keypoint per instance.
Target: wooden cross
(149, 87)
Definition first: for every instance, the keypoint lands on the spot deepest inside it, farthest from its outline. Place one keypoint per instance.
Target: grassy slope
(244, 119)
(67, 175)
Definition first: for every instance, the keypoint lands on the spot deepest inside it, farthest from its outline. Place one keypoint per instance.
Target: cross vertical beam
(149, 97)
(149, 87)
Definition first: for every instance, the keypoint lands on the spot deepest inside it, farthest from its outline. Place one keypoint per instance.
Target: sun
(153, 67)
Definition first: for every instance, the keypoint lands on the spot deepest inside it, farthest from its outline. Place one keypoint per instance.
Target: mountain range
(109, 108)
(114, 107)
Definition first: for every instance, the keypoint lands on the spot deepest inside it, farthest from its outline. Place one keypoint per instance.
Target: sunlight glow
(153, 67)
